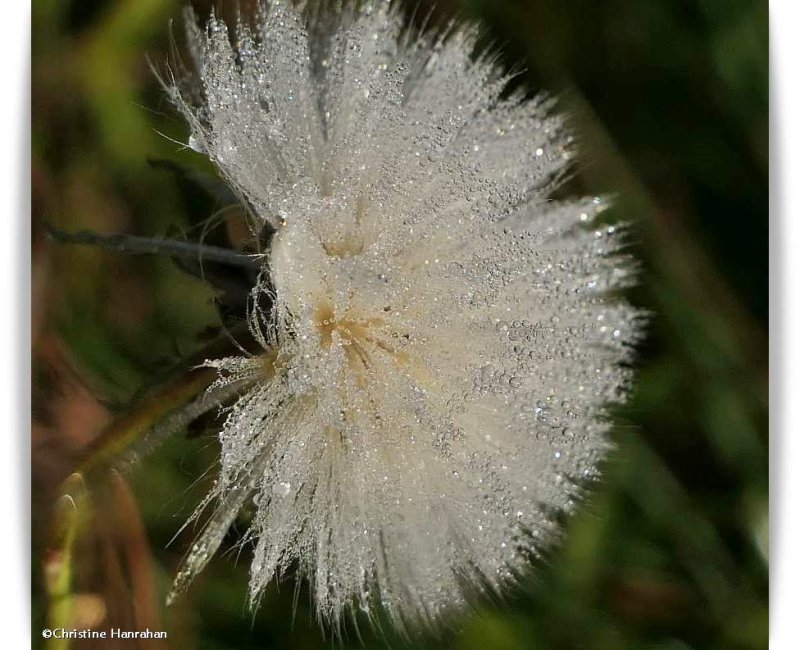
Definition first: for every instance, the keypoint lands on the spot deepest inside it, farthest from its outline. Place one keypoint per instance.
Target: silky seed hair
(443, 340)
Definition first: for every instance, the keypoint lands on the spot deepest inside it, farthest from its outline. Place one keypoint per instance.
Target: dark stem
(136, 245)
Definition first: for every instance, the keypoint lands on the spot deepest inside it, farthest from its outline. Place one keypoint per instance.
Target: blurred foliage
(669, 100)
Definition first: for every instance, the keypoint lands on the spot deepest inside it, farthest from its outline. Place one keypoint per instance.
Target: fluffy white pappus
(444, 341)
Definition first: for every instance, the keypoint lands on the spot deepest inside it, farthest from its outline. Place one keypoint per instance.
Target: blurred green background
(669, 100)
